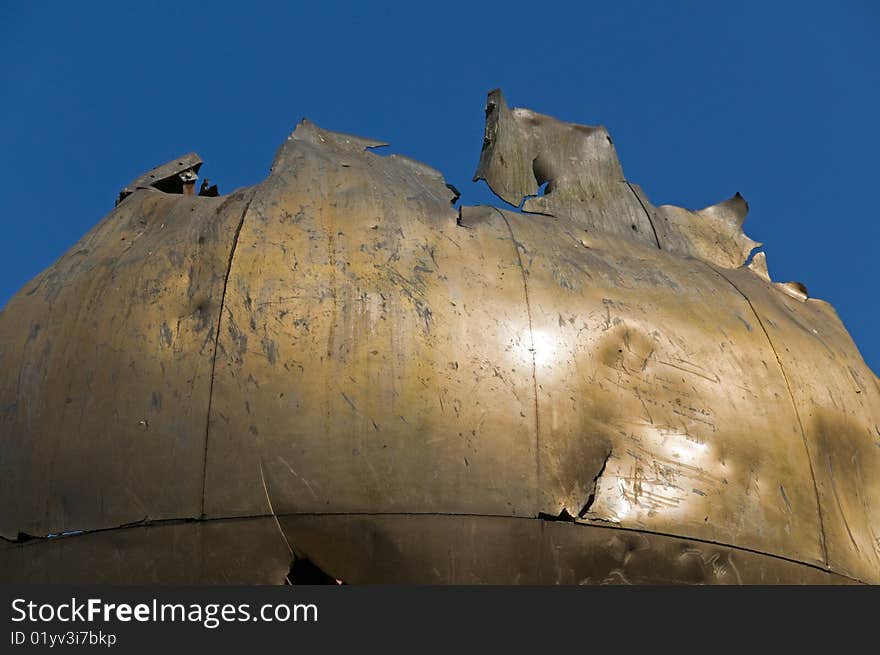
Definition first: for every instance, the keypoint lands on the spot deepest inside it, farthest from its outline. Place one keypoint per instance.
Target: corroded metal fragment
(337, 365)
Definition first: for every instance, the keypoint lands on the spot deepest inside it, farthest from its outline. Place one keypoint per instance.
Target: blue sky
(776, 100)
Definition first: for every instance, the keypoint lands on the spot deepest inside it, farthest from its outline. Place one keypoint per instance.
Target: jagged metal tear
(523, 150)
(419, 388)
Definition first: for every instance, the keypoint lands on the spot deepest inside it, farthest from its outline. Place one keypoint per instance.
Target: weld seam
(647, 214)
(585, 523)
(216, 342)
(746, 549)
(796, 413)
(522, 269)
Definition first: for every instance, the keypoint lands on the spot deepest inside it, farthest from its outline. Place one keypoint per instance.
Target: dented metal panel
(339, 365)
(656, 407)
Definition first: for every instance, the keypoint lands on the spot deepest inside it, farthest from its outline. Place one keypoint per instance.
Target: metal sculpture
(336, 367)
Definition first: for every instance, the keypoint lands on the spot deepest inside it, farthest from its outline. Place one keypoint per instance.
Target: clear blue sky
(776, 100)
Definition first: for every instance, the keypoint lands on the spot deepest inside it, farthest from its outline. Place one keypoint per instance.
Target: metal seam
(796, 412)
(581, 523)
(216, 342)
(522, 269)
(647, 214)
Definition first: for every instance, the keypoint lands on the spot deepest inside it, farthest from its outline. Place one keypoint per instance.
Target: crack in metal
(591, 498)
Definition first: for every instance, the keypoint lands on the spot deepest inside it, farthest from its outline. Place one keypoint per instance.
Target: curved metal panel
(838, 401)
(372, 352)
(337, 341)
(107, 368)
(660, 403)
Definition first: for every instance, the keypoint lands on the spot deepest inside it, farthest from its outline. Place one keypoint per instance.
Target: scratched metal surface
(651, 383)
(106, 360)
(361, 366)
(340, 340)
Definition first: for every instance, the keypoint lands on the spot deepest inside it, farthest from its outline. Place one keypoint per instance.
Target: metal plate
(339, 341)
(107, 360)
(838, 403)
(661, 406)
(362, 365)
